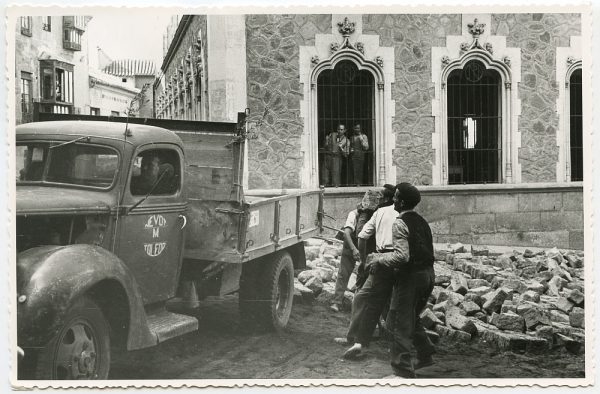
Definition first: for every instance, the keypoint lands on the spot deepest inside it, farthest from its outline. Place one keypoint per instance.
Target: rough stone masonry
(520, 301)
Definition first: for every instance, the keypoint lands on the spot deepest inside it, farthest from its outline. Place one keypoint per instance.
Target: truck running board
(166, 325)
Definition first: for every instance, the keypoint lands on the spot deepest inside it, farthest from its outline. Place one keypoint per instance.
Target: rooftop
(131, 67)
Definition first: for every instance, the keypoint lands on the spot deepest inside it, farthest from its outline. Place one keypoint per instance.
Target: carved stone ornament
(334, 47)
(476, 29)
(314, 60)
(188, 58)
(570, 60)
(198, 44)
(445, 60)
(379, 61)
(506, 60)
(489, 47)
(507, 85)
(360, 47)
(380, 85)
(346, 27)
(464, 46)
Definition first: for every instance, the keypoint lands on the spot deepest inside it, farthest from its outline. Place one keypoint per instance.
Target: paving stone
(555, 285)
(474, 298)
(463, 256)
(315, 284)
(481, 316)
(570, 344)
(475, 283)
(494, 303)
(510, 340)
(470, 307)
(456, 319)
(555, 255)
(440, 254)
(564, 305)
(558, 316)
(429, 319)
(441, 307)
(508, 306)
(480, 250)
(546, 332)
(452, 334)
(326, 274)
(577, 317)
(457, 248)
(508, 321)
(459, 284)
(450, 296)
(533, 315)
(536, 286)
(576, 297)
(531, 296)
(480, 291)
(304, 276)
(434, 337)
(441, 316)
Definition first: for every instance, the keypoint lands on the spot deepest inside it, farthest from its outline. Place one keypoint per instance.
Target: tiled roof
(131, 67)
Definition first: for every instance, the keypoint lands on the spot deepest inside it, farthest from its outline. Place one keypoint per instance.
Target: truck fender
(51, 278)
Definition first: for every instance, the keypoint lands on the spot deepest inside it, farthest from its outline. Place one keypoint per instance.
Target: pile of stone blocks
(521, 301)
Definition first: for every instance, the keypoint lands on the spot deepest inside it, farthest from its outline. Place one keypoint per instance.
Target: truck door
(150, 237)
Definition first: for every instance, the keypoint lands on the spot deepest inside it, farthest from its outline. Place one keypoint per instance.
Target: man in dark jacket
(412, 260)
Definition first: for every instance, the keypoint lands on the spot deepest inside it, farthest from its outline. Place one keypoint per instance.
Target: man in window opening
(359, 145)
(350, 253)
(412, 262)
(337, 148)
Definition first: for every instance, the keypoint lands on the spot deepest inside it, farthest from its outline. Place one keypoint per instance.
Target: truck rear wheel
(81, 349)
(267, 292)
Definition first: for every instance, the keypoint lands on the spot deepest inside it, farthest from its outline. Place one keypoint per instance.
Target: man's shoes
(341, 340)
(424, 362)
(354, 351)
(335, 307)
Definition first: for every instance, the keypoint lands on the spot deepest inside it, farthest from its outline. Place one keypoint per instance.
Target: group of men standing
(338, 149)
(393, 245)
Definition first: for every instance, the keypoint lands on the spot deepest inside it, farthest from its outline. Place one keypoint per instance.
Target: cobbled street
(508, 330)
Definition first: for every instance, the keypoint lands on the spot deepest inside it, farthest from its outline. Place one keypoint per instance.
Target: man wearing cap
(412, 260)
(350, 254)
(375, 289)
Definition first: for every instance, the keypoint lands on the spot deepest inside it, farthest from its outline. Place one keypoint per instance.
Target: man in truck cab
(153, 168)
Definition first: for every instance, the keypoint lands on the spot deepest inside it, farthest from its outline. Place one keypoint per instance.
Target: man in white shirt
(371, 298)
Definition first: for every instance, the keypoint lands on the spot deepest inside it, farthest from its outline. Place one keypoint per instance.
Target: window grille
(26, 26)
(345, 95)
(47, 23)
(474, 125)
(576, 126)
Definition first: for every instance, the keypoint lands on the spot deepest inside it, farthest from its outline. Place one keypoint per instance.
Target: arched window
(345, 97)
(576, 126)
(474, 124)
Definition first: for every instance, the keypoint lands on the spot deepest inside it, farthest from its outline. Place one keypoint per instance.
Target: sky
(129, 35)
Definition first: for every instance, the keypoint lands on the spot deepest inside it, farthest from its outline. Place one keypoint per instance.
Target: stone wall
(544, 215)
(538, 35)
(413, 124)
(272, 42)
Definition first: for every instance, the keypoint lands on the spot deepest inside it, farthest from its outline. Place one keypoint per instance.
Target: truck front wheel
(267, 292)
(81, 349)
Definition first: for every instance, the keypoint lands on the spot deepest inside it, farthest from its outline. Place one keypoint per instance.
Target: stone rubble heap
(529, 301)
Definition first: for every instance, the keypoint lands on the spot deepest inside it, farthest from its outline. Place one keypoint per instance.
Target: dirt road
(223, 349)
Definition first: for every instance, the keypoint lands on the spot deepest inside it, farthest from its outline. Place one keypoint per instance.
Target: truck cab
(117, 220)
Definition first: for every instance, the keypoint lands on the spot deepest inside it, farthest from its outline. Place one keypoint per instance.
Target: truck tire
(267, 292)
(81, 349)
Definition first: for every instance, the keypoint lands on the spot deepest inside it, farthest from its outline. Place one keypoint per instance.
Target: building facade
(482, 111)
(51, 65)
(140, 74)
(110, 96)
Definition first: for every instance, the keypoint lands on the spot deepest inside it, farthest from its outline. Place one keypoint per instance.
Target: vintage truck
(122, 225)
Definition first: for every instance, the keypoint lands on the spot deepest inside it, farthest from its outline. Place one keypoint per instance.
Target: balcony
(74, 22)
(74, 46)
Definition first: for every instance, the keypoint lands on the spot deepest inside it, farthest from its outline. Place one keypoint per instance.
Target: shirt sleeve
(401, 254)
(365, 141)
(369, 228)
(351, 220)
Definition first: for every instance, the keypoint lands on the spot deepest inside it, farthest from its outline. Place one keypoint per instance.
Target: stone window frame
(366, 53)
(568, 60)
(492, 51)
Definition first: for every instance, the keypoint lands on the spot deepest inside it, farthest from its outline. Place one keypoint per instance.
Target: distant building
(51, 65)
(142, 73)
(109, 96)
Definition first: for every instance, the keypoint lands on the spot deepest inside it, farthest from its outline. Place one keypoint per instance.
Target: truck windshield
(74, 164)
